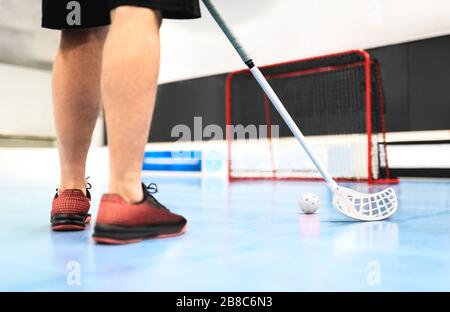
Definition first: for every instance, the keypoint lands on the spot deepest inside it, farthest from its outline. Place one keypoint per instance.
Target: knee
(149, 18)
(72, 39)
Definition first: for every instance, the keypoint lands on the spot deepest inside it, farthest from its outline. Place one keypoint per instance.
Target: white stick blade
(366, 207)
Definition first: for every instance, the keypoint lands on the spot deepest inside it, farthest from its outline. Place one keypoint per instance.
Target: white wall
(26, 104)
(280, 30)
(25, 101)
(272, 31)
(22, 40)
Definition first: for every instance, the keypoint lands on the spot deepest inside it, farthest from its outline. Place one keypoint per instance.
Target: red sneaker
(70, 210)
(119, 222)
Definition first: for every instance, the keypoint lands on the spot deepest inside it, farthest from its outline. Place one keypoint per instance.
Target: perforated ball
(309, 203)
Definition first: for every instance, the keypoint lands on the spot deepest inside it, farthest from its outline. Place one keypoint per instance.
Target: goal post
(338, 102)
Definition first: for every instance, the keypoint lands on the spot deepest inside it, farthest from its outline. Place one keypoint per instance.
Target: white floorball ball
(309, 203)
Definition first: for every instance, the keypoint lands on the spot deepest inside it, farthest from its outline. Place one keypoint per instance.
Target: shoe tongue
(155, 201)
(145, 190)
(149, 196)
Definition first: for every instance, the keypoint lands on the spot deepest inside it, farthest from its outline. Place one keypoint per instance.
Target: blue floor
(248, 236)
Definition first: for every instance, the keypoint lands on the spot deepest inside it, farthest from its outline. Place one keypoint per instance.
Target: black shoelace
(150, 189)
(88, 185)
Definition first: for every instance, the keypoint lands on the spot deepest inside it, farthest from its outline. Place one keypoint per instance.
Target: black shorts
(65, 14)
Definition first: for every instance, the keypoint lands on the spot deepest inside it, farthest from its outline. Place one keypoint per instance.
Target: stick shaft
(276, 102)
(274, 99)
(227, 31)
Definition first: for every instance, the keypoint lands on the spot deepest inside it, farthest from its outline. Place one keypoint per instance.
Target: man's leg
(129, 213)
(76, 97)
(129, 82)
(76, 101)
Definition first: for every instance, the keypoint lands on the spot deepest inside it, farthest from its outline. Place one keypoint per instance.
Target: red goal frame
(367, 63)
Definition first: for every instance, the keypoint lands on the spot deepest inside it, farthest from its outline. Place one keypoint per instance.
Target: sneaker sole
(116, 235)
(70, 222)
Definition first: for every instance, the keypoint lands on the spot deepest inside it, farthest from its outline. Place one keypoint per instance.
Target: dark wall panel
(429, 77)
(394, 74)
(179, 102)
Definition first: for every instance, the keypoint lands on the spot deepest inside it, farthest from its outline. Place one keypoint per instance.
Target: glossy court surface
(246, 236)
